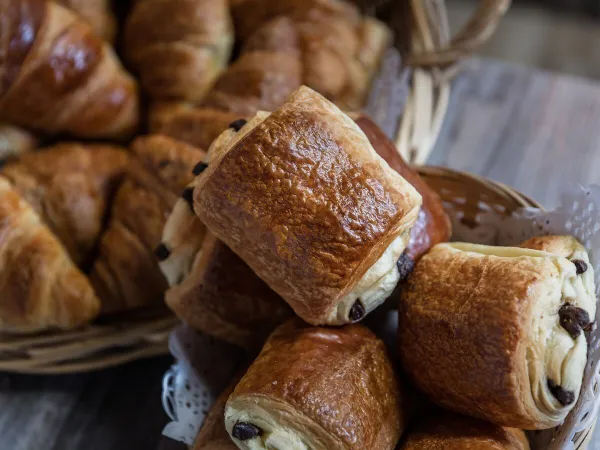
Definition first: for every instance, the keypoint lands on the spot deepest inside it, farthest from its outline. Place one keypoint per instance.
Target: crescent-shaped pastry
(498, 332)
(448, 431)
(319, 389)
(303, 198)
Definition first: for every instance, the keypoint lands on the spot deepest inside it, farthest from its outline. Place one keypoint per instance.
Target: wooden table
(532, 130)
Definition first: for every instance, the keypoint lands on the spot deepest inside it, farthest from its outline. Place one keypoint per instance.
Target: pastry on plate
(317, 388)
(444, 430)
(499, 332)
(303, 198)
(97, 13)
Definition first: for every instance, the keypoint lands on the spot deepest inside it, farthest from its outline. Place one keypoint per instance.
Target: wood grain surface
(532, 130)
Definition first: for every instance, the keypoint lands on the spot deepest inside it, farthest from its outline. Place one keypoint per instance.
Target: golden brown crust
(448, 431)
(179, 47)
(40, 287)
(97, 13)
(463, 329)
(126, 274)
(260, 80)
(59, 76)
(224, 298)
(193, 125)
(249, 15)
(338, 379)
(433, 224)
(70, 186)
(307, 203)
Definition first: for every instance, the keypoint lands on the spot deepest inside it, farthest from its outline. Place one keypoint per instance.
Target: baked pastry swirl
(305, 201)
(498, 332)
(319, 389)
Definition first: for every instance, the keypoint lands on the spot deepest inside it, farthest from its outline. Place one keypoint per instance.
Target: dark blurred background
(557, 35)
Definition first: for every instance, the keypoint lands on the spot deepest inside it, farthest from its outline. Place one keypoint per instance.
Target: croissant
(126, 273)
(196, 126)
(40, 287)
(338, 57)
(318, 388)
(447, 431)
(249, 15)
(97, 13)
(70, 187)
(59, 76)
(498, 332)
(304, 199)
(15, 141)
(257, 81)
(179, 47)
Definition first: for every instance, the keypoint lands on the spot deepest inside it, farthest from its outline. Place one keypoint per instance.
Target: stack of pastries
(308, 212)
(266, 212)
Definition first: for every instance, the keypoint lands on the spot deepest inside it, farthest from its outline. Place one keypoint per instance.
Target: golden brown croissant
(70, 187)
(40, 287)
(126, 273)
(447, 431)
(59, 76)
(179, 46)
(318, 388)
(97, 13)
(249, 15)
(15, 141)
(338, 57)
(193, 125)
(257, 81)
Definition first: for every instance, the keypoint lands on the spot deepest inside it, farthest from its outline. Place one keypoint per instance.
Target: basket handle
(475, 32)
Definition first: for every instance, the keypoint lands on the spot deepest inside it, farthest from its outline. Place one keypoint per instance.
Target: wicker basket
(118, 339)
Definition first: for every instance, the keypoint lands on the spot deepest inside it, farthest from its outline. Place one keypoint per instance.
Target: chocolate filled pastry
(433, 224)
(319, 389)
(499, 332)
(447, 431)
(303, 198)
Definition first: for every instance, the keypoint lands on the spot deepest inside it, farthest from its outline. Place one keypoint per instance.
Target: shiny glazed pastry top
(498, 332)
(304, 199)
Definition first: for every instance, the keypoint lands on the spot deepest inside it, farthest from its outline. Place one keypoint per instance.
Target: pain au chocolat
(303, 198)
(317, 388)
(498, 332)
(215, 292)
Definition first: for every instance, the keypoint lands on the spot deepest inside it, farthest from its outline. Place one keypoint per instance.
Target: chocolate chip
(573, 319)
(162, 252)
(188, 196)
(563, 396)
(405, 266)
(357, 311)
(163, 163)
(199, 168)
(244, 431)
(238, 124)
(580, 266)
